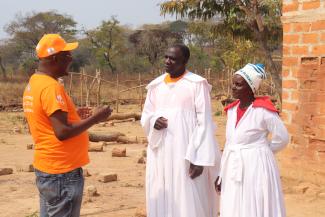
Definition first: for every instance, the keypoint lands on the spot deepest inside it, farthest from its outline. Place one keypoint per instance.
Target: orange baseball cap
(53, 43)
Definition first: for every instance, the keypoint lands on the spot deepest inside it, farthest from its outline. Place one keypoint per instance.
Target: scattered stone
(103, 124)
(140, 212)
(144, 141)
(126, 185)
(30, 146)
(86, 173)
(13, 188)
(321, 195)
(104, 144)
(25, 168)
(299, 189)
(95, 147)
(107, 177)
(142, 160)
(6, 171)
(92, 191)
(305, 188)
(16, 130)
(119, 152)
(87, 200)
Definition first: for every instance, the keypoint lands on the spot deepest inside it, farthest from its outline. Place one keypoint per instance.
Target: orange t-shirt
(42, 97)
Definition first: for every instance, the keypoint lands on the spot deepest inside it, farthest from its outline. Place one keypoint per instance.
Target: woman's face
(240, 88)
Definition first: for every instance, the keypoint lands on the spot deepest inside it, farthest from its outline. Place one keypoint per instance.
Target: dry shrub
(11, 92)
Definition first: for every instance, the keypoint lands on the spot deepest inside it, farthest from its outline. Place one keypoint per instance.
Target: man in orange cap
(61, 140)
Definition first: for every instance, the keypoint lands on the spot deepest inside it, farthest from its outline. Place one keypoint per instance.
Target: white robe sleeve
(203, 149)
(280, 136)
(148, 120)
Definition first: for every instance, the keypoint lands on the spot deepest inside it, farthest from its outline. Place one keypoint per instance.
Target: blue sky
(87, 13)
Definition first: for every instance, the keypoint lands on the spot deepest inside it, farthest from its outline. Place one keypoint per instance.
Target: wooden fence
(87, 90)
(82, 85)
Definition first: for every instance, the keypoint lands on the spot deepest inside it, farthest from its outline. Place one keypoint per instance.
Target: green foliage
(82, 56)
(199, 58)
(25, 32)
(257, 21)
(240, 53)
(152, 42)
(29, 65)
(221, 35)
(109, 43)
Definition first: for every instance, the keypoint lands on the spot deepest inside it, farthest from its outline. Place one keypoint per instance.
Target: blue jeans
(60, 194)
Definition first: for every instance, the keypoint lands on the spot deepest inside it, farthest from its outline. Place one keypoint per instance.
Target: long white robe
(251, 184)
(189, 137)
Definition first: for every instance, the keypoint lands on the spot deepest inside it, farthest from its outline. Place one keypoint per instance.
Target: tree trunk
(275, 71)
(126, 140)
(107, 137)
(95, 147)
(136, 116)
(3, 69)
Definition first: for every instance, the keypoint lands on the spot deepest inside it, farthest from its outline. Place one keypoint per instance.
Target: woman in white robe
(250, 180)
(189, 138)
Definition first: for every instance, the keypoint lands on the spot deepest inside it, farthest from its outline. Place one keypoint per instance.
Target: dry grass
(13, 121)
(11, 92)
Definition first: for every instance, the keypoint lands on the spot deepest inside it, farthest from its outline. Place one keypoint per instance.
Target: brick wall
(303, 73)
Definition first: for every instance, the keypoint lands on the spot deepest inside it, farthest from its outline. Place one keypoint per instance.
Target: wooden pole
(98, 87)
(139, 83)
(223, 83)
(271, 86)
(117, 94)
(132, 88)
(81, 87)
(141, 92)
(87, 88)
(70, 84)
(228, 92)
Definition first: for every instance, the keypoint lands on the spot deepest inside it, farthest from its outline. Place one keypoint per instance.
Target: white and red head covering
(253, 74)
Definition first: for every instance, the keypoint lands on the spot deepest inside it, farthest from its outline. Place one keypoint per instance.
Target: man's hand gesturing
(101, 114)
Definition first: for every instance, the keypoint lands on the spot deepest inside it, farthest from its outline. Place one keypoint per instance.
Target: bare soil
(19, 196)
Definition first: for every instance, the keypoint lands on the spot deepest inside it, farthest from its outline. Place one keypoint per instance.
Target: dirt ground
(19, 196)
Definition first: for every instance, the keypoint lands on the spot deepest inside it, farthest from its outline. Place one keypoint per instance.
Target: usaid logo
(28, 87)
(50, 50)
(59, 99)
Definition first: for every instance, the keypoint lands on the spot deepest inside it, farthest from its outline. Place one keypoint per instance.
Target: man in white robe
(182, 155)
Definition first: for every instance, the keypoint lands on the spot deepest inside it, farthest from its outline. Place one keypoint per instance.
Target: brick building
(303, 72)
